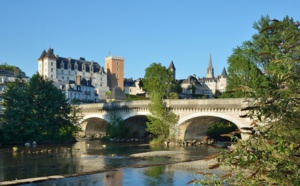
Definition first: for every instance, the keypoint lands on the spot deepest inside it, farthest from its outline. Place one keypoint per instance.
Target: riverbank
(196, 166)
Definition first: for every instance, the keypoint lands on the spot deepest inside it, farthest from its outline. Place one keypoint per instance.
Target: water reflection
(46, 160)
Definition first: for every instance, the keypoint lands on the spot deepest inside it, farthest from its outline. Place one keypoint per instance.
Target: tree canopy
(265, 70)
(37, 110)
(158, 79)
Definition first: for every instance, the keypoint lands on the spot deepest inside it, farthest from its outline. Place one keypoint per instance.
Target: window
(51, 63)
(51, 69)
(63, 77)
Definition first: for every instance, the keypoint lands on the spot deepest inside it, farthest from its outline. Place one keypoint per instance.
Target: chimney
(78, 80)
(16, 71)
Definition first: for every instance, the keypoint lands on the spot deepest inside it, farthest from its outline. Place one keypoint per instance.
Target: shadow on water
(111, 161)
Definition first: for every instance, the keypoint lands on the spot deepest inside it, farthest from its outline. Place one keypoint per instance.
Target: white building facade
(57, 68)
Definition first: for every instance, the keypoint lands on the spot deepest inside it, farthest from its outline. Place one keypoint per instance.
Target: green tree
(265, 70)
(158, 79)
(116, 127)
(161, 121)
(37, 110)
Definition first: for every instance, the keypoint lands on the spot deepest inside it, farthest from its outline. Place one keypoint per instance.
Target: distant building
(81, 90)
(206, 86)
(58, 68)
(218, 83)
(114, 66)
(192, 86)
(132, 87)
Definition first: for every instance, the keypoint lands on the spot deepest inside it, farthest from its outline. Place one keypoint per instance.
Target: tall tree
(266, 70)
(161, 121)
(158, 79)
(37, 111)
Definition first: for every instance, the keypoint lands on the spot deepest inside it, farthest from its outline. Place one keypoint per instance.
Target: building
(132, 87)
(218, 83)
(206, 86)
(193, 87)
(58, 68)
(114, 66)
(81, 90)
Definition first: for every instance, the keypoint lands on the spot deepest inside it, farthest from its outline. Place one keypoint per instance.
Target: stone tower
(114, 67)
(210, 69)
(47, 64)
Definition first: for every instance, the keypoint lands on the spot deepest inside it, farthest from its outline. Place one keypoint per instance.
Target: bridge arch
(195, 125)
(93, 124)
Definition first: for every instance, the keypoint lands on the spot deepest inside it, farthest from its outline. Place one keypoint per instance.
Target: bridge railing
(229, 103)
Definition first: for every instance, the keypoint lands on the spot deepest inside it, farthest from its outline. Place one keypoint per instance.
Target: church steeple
(210, 69)
(173, 69)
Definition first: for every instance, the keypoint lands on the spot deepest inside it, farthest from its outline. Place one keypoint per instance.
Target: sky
(186, 32)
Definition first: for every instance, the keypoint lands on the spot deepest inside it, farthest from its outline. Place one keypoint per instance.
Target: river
(97, 163)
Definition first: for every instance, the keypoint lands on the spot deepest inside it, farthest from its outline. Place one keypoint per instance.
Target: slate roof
(8, 73)
(128, 82)
(224, 73)
(80, 62)
(172, 66)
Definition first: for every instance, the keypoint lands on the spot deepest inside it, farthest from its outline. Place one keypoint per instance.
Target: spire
(42, 55)
(224, 73)
(210, 69)
(210, 62)
(172, 66)
(173, 69)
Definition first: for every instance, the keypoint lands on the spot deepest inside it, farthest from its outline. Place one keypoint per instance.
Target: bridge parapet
(231, 103)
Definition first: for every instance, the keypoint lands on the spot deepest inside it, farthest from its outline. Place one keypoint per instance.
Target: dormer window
(76, 66)
(91, 68)
(69, 65)
(83, 67)
(62, 65)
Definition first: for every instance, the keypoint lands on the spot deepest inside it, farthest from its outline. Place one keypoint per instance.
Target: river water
(106, 163)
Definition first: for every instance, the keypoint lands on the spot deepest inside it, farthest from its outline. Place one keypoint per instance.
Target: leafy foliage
(161, 120)
(37, 110)
(158, 79)
(217, 129)
(116, 128)
(265, 70)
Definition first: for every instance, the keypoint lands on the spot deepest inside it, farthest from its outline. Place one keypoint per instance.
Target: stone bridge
(195, 115)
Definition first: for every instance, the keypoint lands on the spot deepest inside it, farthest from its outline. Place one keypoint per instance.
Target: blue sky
(142, 32)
